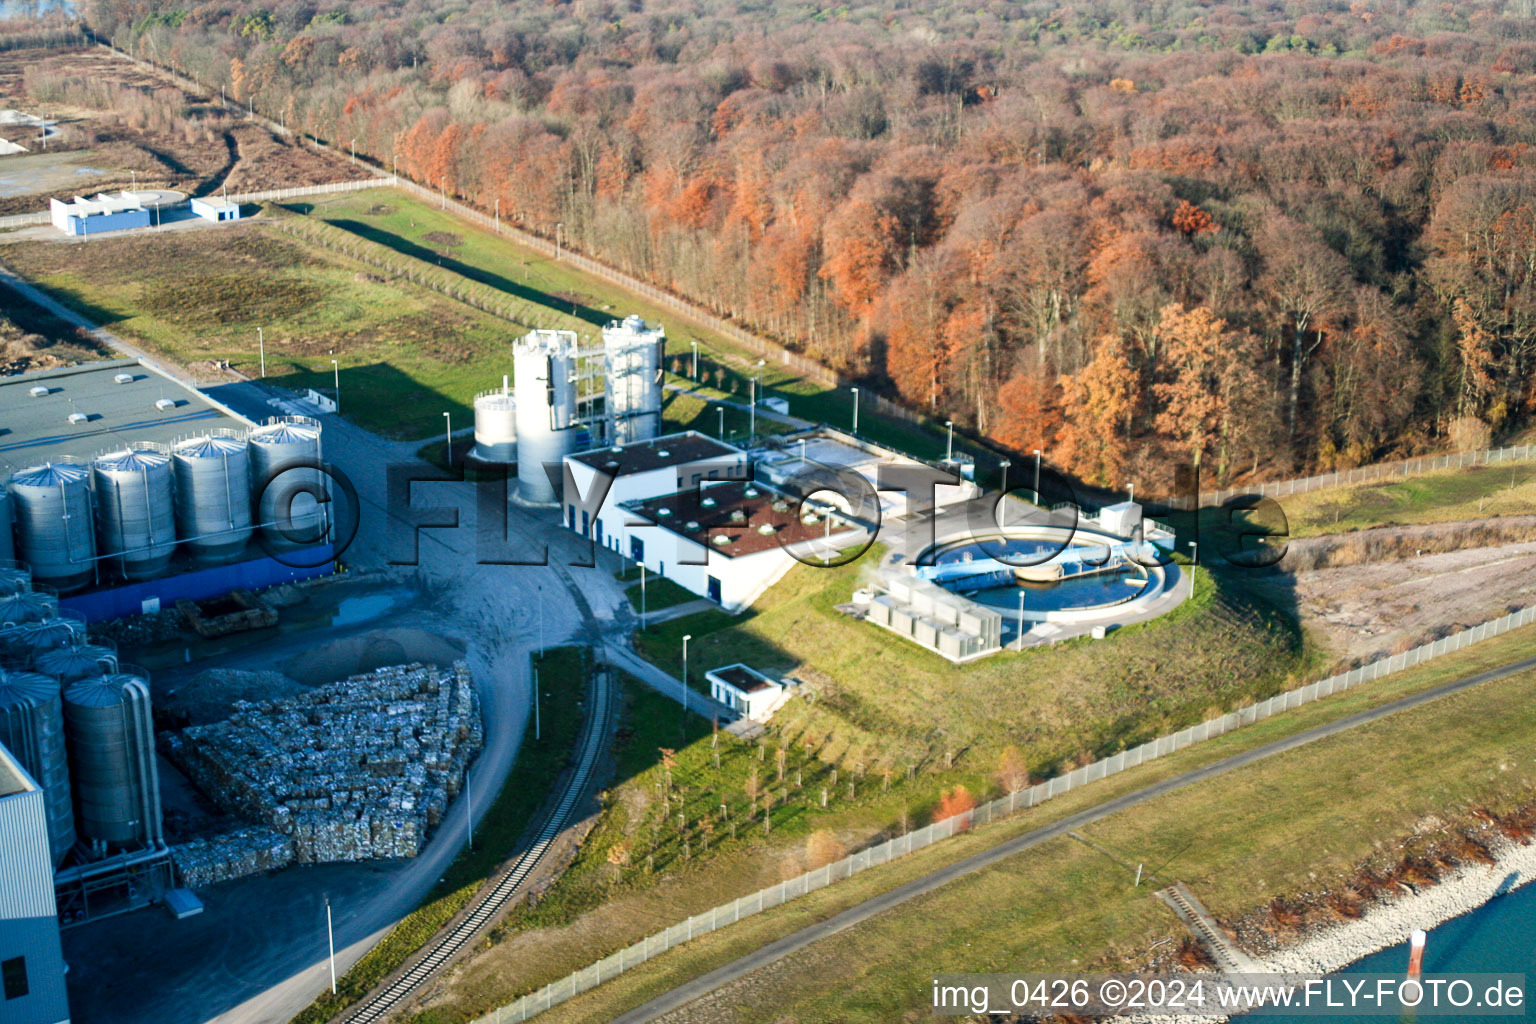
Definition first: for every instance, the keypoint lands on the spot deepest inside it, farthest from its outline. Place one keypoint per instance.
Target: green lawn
(659, 593)
(1061, 922)
(881, 701)
(406, 354)
(538, 767)
(1504, 489)
(1304, 821)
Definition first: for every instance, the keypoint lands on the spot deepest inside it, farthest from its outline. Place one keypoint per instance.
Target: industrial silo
(544, 368)
(110, 729)
(287, 510)
(635, 355)
(27, 606)
(54, 524)
(75, 661)
(32, 728)
(15, 578)
(24, 643)
(213, 495)
(7, 525)
(496, 425)
(135, 509)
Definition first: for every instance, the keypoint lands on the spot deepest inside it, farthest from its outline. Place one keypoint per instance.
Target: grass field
(558, 295)
(883, 702)
(406, 354)
(533, 775)
(1504, 489)
(659, 593)
(1062, 922)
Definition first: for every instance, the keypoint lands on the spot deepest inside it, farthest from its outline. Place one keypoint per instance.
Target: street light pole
(1037, 475)
(1194, 558)
(642, 597)
(261, 340)
(1019, 644)
(721, 410)
(1005, 464)
(448, 438)
(336, 379)
(686, 638)
(695, 360)
(855, 411)
(559, 226)
(752, 414)
(949, 453)
(330, 939)
(498, 216)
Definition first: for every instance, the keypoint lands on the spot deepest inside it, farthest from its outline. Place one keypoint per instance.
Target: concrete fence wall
(765, 899)
(300, 191)
(21, 220)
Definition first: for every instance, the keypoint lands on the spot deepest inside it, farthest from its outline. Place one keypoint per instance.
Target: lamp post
(559, 227)
(353, 147)
(1019, 644)
(330, 939)
(498, 216)
(721, 410)
(686, 638)
(695, 360)
(336, 379)
(448, 444)
(1005, 464)
(855, 411)
(756, 383)
(1194, 558)
(1037, 475)
(261, 341)
(642, 597)
(949, 452)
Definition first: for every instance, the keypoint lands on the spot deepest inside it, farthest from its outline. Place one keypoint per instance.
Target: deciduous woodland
(1288, 235)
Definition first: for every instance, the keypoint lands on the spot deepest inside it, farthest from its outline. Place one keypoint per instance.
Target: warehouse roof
(82, 411)
(658, 453)
(737, 518)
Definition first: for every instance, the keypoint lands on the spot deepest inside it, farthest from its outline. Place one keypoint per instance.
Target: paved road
(774, 951)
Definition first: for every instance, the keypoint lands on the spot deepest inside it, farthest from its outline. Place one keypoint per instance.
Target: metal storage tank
(496, 425)
(15, 578)
(7, 525)
(544, 367)
(135, 509)
(213, 495)
(27, 606)
(54, 524)
(111, 735)
(635, 354)
(76, 661)
(25, 642)
(283, 443)
(32, 728)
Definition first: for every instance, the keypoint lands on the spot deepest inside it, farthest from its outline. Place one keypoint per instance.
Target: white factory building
(686, 508)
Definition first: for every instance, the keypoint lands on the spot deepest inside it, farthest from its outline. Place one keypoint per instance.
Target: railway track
(384, 1001)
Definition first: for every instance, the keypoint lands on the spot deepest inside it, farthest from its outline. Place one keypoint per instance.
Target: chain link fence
(1379, 471)
(766, 899)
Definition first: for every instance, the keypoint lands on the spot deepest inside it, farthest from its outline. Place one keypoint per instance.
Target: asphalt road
(774, 951)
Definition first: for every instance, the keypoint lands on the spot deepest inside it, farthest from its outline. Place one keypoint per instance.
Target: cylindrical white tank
(32, 728)
(544, 367)
(25, 642)
(287, 511)
(635, 354)
(496, 426)
(135, 509)
(111, 735)
(54, 523)
(213, 495)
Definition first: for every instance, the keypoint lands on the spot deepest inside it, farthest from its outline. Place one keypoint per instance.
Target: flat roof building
(215, 208)
(81, 411)
(746, 690)
(31, 960)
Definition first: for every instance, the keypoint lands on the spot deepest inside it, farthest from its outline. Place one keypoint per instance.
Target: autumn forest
(1288, 236)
